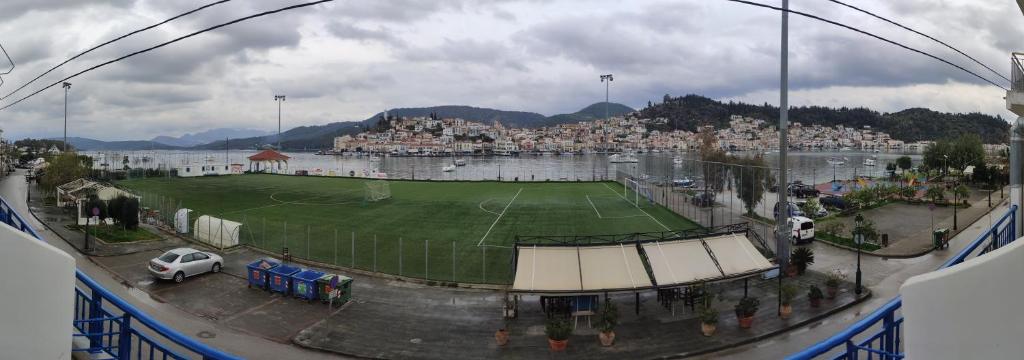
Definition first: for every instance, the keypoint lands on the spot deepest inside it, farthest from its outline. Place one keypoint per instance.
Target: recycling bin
(344, 287)
(281, 278)
(257, 272)
(304, 284)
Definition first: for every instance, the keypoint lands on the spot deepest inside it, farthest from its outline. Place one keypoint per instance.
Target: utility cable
(111, 41)
(250, 17)
(851, 28)
(920, 33)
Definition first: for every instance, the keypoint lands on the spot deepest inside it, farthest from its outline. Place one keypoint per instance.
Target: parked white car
(177, 264)
(803, 230)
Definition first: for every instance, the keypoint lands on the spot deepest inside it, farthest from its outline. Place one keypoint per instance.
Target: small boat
(460, 162)
(448, 168)
(622, 158)
(836, 161)
(869, 162)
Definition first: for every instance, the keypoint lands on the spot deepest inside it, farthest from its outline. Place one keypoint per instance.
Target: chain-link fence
(440, 260)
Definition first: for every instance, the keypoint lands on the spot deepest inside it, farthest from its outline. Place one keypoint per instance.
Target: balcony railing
(1017, 72)
(114, 327)
(885, 343)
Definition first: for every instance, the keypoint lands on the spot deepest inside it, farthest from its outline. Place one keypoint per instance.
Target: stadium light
(67, 86)
(606, 85)
(279, 99)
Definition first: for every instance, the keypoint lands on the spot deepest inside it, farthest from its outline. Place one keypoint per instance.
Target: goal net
(376, 191)
(637, 193)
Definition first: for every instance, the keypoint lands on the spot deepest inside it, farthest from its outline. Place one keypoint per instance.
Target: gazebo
(268, 161)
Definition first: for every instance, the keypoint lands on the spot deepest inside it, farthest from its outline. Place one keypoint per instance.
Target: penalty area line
(595, 207)
(638, 208)
(499, 217)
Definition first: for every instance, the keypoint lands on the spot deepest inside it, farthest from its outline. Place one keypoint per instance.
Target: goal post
(374, 191)
(637, 193)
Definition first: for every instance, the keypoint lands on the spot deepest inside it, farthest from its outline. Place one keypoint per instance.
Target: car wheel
(216, 268)
(179, 277)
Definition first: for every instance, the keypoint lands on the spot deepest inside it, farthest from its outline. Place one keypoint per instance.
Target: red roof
(269, 155)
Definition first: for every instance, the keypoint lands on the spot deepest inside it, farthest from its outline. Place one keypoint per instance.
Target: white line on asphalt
(499, 217)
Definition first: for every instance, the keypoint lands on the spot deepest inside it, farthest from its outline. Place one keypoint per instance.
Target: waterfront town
(430, 136)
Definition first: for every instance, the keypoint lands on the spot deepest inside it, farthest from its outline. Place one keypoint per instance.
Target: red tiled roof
(266, 155)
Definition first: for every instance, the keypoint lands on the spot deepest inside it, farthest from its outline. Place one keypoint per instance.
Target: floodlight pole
(783, 229)
(67, 86)
(279, 99)
(607, 84)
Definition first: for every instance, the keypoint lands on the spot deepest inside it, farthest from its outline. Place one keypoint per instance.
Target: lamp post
(606, 86)
(67, 86)
(279, 99)
(858, 235)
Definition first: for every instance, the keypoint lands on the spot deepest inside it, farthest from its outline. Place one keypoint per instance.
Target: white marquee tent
(217, 232)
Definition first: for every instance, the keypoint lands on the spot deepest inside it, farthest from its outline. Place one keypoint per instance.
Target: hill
(207, 136)
(87, 144)
(322, 136)
(692, 111)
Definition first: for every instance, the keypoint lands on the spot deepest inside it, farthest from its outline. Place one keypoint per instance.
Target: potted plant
(832, 280)
(801, 257)
(745, 310)
(558, 331)
(708, 315)
(788, 293)
(814, 294)
(609, 317)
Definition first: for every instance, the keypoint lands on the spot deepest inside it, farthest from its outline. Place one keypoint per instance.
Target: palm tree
(935, 193)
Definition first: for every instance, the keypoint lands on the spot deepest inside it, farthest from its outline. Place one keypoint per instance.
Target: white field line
(481, 206)
(595, 207)
(638, 208)
(499, 217)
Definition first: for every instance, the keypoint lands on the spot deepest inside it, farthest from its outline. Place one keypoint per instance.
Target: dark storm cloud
(468, 51)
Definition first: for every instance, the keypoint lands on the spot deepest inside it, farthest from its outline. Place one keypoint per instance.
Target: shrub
(814, 293)
(558, 329)
(834, 277)
(747, 307)
(801, 257)
(609, 316)
(788, 293)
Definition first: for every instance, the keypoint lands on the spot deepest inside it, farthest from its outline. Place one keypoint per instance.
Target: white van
(803, 230)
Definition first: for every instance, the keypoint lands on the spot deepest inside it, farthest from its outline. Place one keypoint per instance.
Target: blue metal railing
(885, 343)
(115, 327)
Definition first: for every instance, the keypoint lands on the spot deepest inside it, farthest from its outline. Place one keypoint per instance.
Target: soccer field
(445, 231)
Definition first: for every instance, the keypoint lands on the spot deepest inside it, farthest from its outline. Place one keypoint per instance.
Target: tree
(115, 206)
(95, 202)
(130, 213)
(63, 169)
(935, 193)
(891, 168)
(869, 231)
(751, 180)
(935, 154)
(961, 192)
(904, 163)
(810, 207)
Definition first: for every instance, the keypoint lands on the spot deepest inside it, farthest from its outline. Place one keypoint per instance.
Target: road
(13, 189)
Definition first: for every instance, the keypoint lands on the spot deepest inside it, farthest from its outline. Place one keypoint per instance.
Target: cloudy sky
(344, 61)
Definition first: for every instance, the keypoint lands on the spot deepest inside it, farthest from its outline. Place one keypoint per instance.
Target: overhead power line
(250, 17)
(922, 34)
(9, 70)
(111, 41)
(851, 28)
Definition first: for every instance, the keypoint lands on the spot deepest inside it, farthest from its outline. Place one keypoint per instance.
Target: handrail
(206, 351)
(872, 319)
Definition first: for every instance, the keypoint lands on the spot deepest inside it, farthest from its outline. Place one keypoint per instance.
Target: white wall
(37, 298)
(968, 311)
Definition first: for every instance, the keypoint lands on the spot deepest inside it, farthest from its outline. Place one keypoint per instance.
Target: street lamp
(279, 99)
(858, 235)
(67, 86)
(606, 85)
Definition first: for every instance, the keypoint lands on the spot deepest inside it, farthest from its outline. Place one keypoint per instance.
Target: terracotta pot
(815, 303)
(708, 329)
(785, 311)
(791, 270)
(607, 338)
(831, 291)
(501, 337)
(746, 322)
(558, 345)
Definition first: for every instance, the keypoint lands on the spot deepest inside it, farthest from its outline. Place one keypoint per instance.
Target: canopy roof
(635, 265)
(269, 155)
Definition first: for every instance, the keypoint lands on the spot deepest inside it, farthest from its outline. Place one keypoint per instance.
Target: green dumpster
(344, 288)
(941, 238)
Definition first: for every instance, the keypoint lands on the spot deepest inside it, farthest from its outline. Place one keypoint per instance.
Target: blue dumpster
(258, 272)
(304, 284)
(281, 278)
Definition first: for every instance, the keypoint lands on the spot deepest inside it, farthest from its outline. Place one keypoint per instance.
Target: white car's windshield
(168, 257)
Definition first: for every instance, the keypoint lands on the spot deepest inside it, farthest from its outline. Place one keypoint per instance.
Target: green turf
(430, 221)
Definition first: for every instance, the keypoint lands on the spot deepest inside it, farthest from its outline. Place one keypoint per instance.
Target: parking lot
(223, 297)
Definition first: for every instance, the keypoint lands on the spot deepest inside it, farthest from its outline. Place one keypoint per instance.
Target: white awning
(598, 268)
